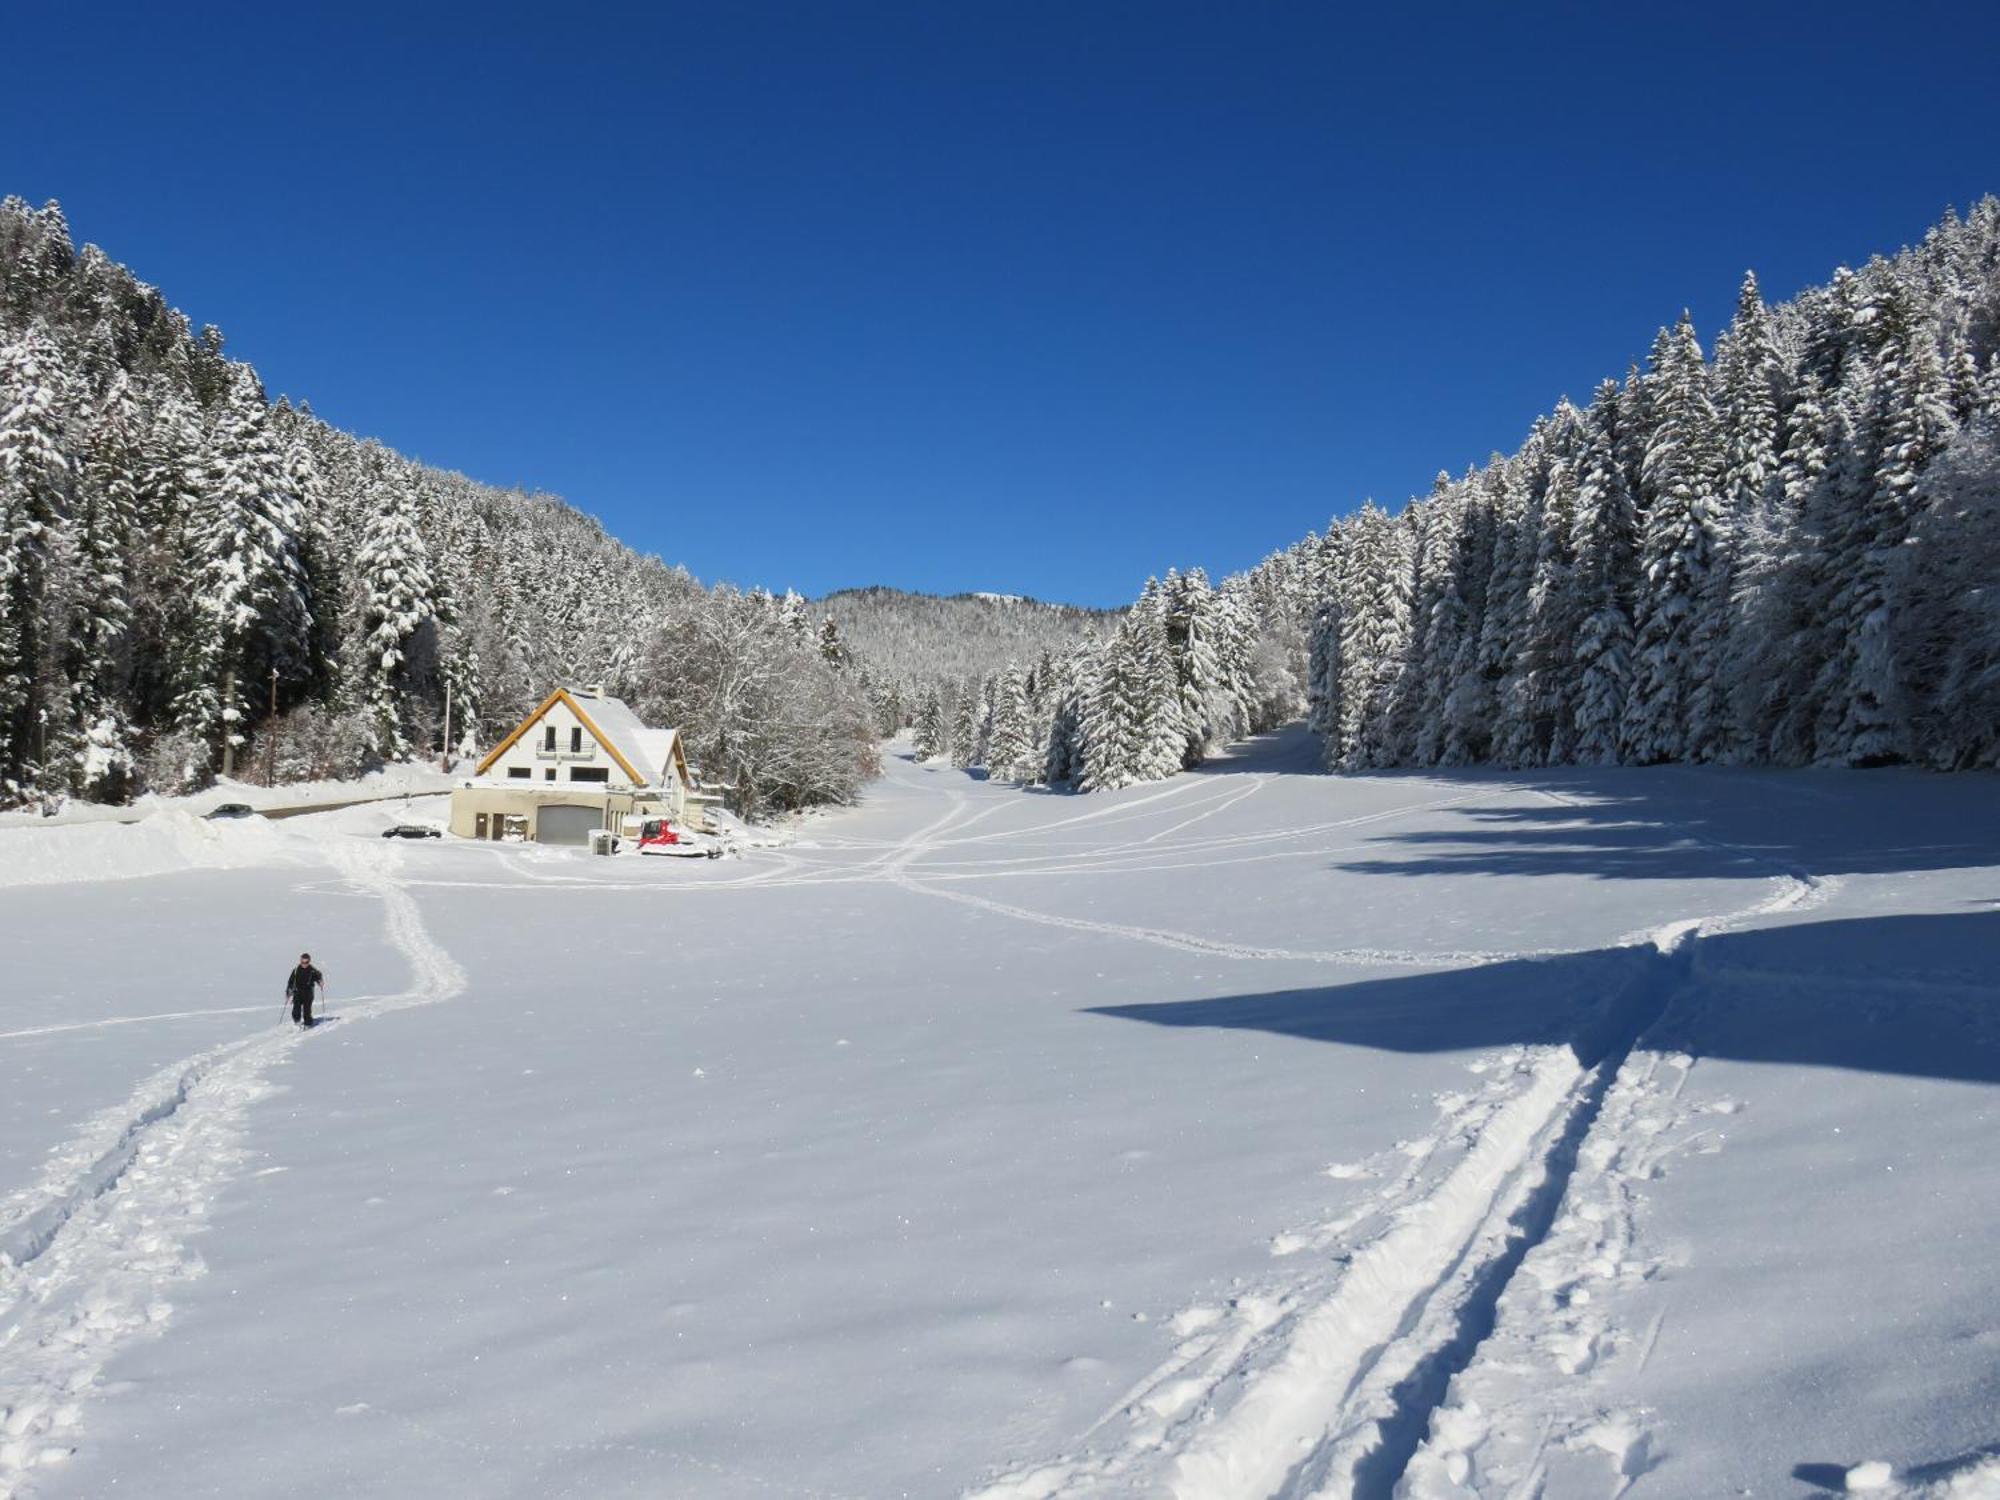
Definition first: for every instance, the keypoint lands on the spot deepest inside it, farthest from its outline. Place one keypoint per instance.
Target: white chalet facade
(580, 762)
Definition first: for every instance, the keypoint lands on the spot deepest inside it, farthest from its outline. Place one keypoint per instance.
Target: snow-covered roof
(657, 746)
(646, 753)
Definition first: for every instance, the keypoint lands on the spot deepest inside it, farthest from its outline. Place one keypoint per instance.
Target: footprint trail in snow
(91, 1253)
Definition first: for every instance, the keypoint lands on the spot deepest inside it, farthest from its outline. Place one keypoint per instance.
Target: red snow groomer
(659, 836)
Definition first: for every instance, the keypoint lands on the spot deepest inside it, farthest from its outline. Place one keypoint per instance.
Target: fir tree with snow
(35, 478)
(1677, 552)
(398, 612)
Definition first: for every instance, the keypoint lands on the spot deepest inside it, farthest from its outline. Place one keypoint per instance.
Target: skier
(299, 986)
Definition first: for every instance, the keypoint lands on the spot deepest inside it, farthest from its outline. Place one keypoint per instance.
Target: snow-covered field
(1256, 1133)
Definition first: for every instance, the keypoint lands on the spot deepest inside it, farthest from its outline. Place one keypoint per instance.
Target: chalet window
(575, 740)
(589, 773)
(549, 737)
(550, 773)
(519, 773)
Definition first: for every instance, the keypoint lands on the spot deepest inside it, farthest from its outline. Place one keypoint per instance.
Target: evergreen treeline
(175, 553)
(1788, 554)
(1187, 669)
(1784, 554)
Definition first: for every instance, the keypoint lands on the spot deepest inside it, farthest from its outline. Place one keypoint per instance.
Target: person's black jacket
(300, 985)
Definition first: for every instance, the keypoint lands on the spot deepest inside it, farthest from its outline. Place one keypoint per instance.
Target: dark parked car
(233, 810)
(412, 831)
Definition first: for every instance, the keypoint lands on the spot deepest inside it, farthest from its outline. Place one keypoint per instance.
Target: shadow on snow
(1909, 995)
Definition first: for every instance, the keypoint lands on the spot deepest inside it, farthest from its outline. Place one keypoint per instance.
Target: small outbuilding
(582, 761)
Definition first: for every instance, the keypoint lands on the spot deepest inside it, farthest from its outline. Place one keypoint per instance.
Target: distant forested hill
(910, 640)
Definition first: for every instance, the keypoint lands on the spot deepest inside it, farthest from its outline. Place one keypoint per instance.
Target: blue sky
(1023, 296)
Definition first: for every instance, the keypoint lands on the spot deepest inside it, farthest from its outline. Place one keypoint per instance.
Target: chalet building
(580, 762)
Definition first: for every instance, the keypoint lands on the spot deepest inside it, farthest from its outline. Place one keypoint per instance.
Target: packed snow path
(979, 1142)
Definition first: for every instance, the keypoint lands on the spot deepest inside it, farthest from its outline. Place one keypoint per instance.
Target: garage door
(564, 824)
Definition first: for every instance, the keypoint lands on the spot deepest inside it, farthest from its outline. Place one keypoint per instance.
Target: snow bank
(166, 843)
(408, 778)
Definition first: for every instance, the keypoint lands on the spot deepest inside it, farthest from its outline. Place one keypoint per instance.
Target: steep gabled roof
(662, 747)
(614, 726)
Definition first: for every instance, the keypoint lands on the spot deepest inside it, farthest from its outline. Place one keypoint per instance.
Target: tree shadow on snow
(1672, 823)
(1660, 822)
(1907, 995)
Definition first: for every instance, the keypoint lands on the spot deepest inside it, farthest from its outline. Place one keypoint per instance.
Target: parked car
(411, 831)
(233, 810)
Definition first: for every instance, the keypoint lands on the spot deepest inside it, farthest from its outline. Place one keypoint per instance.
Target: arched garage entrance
(563, 823)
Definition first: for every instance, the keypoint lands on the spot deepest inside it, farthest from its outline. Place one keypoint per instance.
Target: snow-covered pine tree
(1011, 752)
(1510, 602)
(1400, 713)
(1605, 552)
(35, 479)
(1068, 689)
(1682, 463)
(1468, 707)
(1374, 633)
(1546, 663)
(1428, 681)
(1161, 749)
(1908, 421)
(967, 722)
(1947, 624)
(932, 736)
(1751, 385)
(1326, 569)
(1204, 640)
(831, 646)
(100, 607)
(1255, 703)
(392, 570)
(249, 612)
(1113, 718)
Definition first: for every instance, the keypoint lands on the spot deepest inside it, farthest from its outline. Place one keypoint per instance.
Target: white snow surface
(404, 778)
(1258, 1133)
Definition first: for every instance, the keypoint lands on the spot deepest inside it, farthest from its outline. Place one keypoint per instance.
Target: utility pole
(271, 735)
(229, 723)
(444, 750)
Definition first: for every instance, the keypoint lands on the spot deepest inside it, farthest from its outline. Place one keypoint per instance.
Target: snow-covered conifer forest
(179, 553)
(1774, 552)
(1778, 551)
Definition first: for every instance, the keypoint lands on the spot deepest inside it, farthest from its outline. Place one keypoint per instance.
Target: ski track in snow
(1339, 1385)
(90, 1253)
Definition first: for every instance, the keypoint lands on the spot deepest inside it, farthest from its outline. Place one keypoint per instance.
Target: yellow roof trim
(519, 729)
(561, 695)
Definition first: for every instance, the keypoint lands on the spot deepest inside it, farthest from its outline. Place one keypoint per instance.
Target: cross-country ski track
(1471, 1313)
